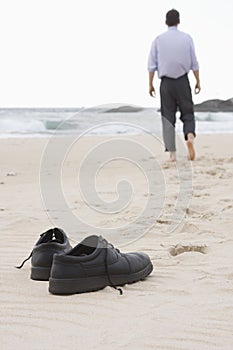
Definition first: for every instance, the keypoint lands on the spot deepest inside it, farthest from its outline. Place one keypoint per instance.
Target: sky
(83, 53)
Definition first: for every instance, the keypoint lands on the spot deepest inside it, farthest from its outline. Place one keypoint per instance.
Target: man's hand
(197, 88)
(152, 91)
(151, 87)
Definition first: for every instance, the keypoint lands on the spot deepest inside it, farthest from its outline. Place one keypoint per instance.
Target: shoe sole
(92, 284)
(40, 273)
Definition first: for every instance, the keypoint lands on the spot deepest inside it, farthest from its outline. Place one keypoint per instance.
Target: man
(172, 55)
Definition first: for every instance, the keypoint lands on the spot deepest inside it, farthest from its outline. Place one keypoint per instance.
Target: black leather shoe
(50, 242)
(94, 264)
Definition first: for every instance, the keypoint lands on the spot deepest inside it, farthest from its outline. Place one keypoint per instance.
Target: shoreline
(49, 136)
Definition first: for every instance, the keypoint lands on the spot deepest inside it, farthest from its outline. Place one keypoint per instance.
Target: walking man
(172, 55)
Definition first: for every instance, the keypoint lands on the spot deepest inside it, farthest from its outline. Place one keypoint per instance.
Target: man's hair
(172, 18)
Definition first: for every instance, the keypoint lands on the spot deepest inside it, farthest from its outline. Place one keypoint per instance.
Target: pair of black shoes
(91, 265)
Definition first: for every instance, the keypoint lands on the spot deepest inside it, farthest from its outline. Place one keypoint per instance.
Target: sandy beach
(187, 301)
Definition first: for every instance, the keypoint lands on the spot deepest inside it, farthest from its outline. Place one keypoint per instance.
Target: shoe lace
(20, 266)
(110, 246)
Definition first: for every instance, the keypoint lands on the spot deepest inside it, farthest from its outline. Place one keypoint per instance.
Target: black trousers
(176, 94)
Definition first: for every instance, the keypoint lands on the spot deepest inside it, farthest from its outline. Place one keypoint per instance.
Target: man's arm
(197, 86)
(152, 66)
(151, 87)
(195, 67)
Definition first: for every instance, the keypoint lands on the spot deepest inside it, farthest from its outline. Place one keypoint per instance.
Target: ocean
(43, 122)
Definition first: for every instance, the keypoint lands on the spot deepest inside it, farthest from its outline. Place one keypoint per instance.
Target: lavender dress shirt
(172, 54)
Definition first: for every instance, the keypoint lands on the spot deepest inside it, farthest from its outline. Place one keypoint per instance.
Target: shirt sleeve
(153, 60)
(194, 62)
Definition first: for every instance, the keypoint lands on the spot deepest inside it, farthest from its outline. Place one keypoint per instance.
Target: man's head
(172, 18)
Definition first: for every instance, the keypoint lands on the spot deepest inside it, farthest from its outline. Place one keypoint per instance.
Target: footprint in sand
(207, 215)
(201, 195)
(226, 200)
(180, 249)
(199, 187)
(211, 172)
(163, 221)
(169, 165)
(229, 207)
(11, 173)
(226, 175)
(192, 212)
(188, 228)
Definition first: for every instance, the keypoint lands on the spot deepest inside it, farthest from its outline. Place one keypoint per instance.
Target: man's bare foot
(190, 146)
(172, 157)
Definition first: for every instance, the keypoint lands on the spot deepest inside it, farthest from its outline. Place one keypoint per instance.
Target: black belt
(182, 76)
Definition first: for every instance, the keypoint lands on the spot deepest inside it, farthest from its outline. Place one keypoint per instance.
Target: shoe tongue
(91, 241)
(86, 247)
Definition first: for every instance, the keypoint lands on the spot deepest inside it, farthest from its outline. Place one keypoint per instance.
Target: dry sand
(186, 303)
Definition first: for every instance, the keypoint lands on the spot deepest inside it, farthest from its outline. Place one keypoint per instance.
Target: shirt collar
(173, 28)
